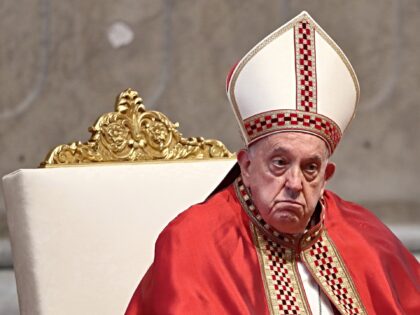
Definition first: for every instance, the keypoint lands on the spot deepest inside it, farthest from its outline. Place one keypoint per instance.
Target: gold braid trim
(327, 267)
(284, 290)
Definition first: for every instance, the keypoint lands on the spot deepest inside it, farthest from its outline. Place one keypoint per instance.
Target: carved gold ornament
(132, 134)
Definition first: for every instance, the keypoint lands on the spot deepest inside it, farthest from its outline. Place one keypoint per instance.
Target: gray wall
(63, 62)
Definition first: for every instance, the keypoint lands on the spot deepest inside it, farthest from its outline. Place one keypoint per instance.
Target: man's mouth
(288, 202)
(291, 202)
(289, 206)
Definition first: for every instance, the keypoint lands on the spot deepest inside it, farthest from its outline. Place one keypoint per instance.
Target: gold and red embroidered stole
(284, 290)
(278, 254)
(280, 276)
(329, 270)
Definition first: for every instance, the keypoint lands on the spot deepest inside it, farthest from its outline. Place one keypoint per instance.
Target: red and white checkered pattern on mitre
(295, 79)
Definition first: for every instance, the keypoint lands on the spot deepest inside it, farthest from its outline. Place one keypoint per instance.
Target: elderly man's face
(286, 174)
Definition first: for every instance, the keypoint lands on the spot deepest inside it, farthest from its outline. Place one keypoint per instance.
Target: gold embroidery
(287, 120)
(278, 267)
(262, 269)
(328, 269)
(305, 62)
(134, 134)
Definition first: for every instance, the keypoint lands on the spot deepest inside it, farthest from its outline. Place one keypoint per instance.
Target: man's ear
(244, 162)
(329, 172)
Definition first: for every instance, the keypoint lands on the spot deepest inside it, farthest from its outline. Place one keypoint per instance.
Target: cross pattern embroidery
(329, 268)
(305, 67)
(261, 124)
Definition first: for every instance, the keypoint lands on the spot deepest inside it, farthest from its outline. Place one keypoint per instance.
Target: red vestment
(216, 258)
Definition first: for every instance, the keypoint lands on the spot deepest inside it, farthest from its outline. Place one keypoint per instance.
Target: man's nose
(294, 180)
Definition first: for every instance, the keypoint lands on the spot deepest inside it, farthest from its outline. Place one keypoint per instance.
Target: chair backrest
(83, 235)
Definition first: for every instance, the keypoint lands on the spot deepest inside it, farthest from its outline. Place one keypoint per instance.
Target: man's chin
(286, 222)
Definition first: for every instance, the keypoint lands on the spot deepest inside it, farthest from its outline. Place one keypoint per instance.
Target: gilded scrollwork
(132, 134)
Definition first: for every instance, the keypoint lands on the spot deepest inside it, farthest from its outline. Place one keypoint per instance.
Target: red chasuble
(220, 257)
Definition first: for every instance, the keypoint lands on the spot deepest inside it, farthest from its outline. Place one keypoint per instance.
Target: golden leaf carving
(132, 134)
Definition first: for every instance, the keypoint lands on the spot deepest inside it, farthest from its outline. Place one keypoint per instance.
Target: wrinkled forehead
(298, 143)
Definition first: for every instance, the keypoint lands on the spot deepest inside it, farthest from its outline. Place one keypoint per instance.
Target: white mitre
(295, 79)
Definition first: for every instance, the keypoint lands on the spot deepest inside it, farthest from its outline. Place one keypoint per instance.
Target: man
(275, 241)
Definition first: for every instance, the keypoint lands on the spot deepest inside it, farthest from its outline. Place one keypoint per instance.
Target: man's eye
(311, 168)
(279, 162)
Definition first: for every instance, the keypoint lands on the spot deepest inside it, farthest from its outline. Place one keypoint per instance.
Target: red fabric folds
(385, 273)
(206, 263)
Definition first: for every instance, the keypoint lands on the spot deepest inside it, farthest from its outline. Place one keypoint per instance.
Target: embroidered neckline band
(307, 239)
(278, 254)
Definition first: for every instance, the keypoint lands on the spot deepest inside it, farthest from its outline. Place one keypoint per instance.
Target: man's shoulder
(361, 237)
(346, 215)
(349, 209)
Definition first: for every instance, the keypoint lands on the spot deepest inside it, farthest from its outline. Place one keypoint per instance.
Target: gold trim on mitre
(134, 134)
(303, 16)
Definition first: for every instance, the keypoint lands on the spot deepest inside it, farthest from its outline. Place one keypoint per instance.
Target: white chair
(83, 227)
